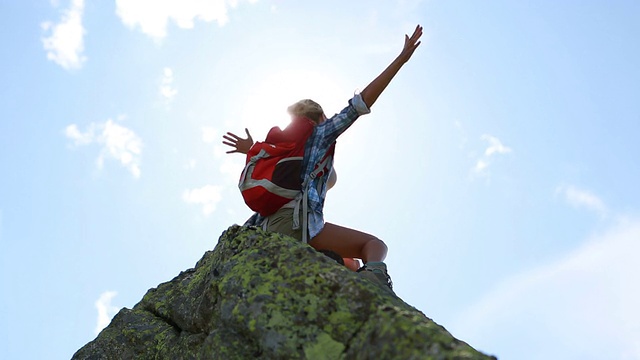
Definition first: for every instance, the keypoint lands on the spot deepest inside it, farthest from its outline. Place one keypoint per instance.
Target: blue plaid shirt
(323, 137)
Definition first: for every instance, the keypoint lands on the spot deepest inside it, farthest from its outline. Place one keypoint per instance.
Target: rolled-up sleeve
(360, 105)
(329, 130)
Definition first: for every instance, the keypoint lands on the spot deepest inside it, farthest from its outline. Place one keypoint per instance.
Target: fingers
(417, 33)
(238, 144)
(231, 137)
(411, 43)
(233, 140)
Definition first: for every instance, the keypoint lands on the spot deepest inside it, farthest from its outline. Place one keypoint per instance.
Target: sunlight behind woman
(266, 104)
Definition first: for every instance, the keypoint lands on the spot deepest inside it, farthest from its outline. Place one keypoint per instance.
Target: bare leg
(352, 264)
(349, 243)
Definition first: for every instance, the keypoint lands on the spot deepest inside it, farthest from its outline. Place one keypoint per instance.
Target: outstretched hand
(371, 93)
(241, 145)
(410, 44)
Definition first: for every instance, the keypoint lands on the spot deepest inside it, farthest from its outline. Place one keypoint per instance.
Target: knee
(377, 246)
(382, 245)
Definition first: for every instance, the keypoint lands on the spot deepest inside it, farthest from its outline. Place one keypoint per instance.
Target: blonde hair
(307, 108)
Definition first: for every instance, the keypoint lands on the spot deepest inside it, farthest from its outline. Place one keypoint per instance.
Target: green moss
(277, 320)
(324, 348)
(342, 321)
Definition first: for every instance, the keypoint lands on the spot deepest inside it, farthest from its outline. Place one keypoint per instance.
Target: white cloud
(122, 144)
(494, 148)
(105, 310)
(208, 196)
(166, 88)
(117, 142)
(65, 45)
(480, 166)
(79, 138)
(582, 199)
(191, 164)
(232, 167)
(152, 16)
(584, 305)
(209, 134)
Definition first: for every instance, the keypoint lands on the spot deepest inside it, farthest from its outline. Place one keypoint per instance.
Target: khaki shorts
(282, 223)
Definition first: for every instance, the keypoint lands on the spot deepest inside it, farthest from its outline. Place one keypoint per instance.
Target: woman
(348, 243)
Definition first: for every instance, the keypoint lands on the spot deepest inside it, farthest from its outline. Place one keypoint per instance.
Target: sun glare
(266, 104)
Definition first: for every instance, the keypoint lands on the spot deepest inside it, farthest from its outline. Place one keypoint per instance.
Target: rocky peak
(262, 295)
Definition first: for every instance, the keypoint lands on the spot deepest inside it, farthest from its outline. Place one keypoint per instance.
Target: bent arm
(371, 93)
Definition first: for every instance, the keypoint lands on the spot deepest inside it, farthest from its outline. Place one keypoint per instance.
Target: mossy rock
(261, 295)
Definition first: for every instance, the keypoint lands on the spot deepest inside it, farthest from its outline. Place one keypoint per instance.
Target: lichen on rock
(267, 296)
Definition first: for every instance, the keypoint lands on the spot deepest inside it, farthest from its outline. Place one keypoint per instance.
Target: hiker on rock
(298, 208)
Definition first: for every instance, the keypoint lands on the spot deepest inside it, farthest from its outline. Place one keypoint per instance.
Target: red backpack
(272, 174)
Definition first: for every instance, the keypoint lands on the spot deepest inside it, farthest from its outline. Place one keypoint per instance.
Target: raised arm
(371, 93)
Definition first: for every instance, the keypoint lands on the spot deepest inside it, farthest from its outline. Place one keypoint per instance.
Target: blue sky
(500, 166)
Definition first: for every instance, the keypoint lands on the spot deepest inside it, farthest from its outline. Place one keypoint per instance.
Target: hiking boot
(377, 272)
